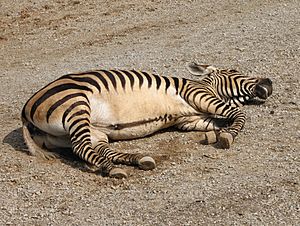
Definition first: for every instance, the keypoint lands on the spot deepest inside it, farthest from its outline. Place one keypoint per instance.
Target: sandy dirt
(256, 182)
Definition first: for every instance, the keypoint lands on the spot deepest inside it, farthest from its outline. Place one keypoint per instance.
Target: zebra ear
(199, 69)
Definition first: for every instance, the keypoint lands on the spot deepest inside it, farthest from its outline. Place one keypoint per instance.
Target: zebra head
(230, 85)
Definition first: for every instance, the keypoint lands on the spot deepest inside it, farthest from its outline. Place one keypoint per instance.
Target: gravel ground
(256, 182)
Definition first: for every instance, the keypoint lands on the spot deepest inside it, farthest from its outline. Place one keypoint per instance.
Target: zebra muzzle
(264, 88)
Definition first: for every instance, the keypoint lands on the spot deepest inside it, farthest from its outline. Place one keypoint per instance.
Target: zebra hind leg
(101, 146)
(82, 147)
(96, 162)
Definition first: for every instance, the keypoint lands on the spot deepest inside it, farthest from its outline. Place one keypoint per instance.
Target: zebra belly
(138, 114)
(137, 131)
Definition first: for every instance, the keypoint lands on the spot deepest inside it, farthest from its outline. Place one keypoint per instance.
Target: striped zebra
(84, 110)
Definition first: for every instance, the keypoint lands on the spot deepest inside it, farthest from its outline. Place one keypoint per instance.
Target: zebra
(83, 111)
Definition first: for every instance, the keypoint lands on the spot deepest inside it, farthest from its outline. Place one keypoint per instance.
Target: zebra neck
(194, 92)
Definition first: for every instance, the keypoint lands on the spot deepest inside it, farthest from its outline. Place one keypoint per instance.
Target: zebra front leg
(217, 107)
(209, 125)
(227, 135)
(101, 146)
(221, 134)
(224, 136)
(216, 129)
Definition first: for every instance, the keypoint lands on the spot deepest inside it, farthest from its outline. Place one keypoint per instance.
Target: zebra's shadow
(256, 102)
(16, 141)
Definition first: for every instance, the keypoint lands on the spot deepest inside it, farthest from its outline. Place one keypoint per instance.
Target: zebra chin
(263, 88)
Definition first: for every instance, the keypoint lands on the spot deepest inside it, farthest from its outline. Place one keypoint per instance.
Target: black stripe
(75, 122)
(111, 78)
(74, 105)
(176, 84)
(62, 101)
(140, 77)
(81, 112)
(87, 80)
(121, 77)
(83, 147)
(167, 81)
(210, 101)
(158, 81)
(78, 128)
(225, 108)
(184, 81)
(189, 91)
(233, 113)
(23, 112)
(148, 77)
(231, 86)
(94, 157)
(130, 76)
(208, 119)
(224, 83)
(102, 79)
(242, 91)
(79, 135)
(198, 92)
(55, 90)
(84, 138)
(219, 105)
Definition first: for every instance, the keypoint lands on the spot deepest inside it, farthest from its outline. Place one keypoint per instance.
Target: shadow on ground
(65, 155)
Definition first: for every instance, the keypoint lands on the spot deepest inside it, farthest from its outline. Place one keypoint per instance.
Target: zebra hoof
(147, 163)
(208, 138)
(118, 173)
(225, 140)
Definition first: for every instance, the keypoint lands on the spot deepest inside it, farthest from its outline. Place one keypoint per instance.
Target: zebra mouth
(263, 88)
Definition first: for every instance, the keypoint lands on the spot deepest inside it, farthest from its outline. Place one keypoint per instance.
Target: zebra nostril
(269, 81)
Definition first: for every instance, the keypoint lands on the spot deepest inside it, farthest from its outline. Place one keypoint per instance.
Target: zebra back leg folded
(80, 135)
(101, 146)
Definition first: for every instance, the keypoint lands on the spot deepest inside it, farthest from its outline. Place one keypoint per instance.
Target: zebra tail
(33, 148)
